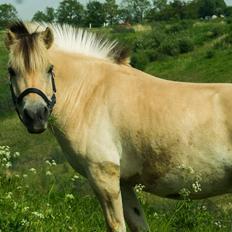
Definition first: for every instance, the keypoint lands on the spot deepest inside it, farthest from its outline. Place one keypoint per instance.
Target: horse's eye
(11, 72)
(50, 69)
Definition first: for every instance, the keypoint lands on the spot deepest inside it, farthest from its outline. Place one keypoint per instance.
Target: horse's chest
(71, 153)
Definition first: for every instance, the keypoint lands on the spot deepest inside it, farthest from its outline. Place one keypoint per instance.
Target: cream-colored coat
(120, 127)
(168, 136)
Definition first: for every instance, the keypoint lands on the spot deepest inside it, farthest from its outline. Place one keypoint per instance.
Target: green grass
(195, 67)
(51, 200)
(51, 197)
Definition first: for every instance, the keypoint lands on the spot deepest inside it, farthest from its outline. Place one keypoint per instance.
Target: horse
(117, 125)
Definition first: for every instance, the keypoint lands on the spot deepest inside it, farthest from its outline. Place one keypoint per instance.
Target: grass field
(39, 191)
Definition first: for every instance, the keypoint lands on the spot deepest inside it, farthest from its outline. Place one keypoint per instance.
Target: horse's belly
(200, 174)
(180, 183)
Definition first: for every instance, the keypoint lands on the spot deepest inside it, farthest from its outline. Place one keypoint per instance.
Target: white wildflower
(7, 154)
(184, 192)
(8, 165)
(218, 224)
(48, 162)
(15, 205)
(186, 168)
(25, 175)
(24, 222)
(16, 154)
(204, 207)
(69, 196)
(37, 214)
(75, 177)
(33, 170)
(53, 163)
(191, 170)
(9, 195)
(48, 173)
(139, 188)
(196, 187)
(26, 208)
(155, 214)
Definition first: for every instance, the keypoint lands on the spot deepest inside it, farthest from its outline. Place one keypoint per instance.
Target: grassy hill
(40, 192)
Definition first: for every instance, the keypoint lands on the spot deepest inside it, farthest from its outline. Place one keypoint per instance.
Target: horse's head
(31, 75)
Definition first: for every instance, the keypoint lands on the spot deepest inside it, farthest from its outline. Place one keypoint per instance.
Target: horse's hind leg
(133, 211)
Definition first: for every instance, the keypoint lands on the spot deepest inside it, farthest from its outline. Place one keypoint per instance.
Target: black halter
(18, 99)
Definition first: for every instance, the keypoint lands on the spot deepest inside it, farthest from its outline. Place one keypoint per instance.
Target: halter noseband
(18, 99)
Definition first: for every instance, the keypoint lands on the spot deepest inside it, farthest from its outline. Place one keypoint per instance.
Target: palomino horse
(117, 125)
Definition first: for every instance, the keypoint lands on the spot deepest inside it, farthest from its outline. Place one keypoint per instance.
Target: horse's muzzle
(36, 118)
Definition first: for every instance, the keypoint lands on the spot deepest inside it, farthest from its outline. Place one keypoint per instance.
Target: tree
(228, 11)
(160, 5)
(70, 12)
(191, 9)
(137, 9)
(124, 15)
(111, 11)
(8, 13)
(49, 15)
(211, 7)
(95, 14)
(220, 7)
(178, 9)
(39, 16)
(161, 11)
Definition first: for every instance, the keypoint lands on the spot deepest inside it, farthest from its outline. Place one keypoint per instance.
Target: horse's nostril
(45, 111)
(42, 113)
(28, 115)
(36, 114)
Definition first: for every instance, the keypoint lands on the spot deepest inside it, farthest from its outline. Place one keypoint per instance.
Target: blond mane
(77, 40)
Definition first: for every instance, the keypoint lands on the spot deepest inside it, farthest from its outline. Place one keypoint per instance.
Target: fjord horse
(117, 125)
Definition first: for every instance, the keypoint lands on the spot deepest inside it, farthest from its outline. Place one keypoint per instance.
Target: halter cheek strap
(50, 103)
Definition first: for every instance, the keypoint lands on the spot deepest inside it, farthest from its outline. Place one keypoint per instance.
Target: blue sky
(27, 8)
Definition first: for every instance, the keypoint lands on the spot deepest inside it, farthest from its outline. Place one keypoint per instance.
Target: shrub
(209, 54)
(228, 20)
(156, 38)
(224, 42)
(141, 43)
(185, 45)
(140, 59)
(170, 47)
(178, 27)
(216, 31)
(123, 29)
(174, 28)
(154, 55)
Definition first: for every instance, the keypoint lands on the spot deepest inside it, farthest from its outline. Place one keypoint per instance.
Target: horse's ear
(9, 39)
(47, 37)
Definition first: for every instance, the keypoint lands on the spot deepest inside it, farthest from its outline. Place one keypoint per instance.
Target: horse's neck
(75, 82)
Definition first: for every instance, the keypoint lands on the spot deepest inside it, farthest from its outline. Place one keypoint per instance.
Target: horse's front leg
(105, 180)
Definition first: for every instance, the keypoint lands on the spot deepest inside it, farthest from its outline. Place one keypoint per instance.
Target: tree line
(96, 13)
